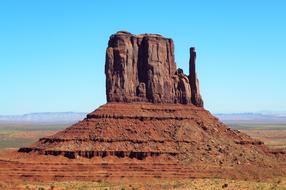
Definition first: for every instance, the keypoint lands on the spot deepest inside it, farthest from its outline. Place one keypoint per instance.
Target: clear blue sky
(52, 52)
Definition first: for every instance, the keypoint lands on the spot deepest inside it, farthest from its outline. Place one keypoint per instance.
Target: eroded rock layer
(140, 130)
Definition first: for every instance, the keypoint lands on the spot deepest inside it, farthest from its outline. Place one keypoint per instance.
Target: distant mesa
(44, 117)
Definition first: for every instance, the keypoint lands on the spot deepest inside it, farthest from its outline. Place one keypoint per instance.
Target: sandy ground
(193, 184)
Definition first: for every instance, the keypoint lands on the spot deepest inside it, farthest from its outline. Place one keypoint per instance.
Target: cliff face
(142, 68)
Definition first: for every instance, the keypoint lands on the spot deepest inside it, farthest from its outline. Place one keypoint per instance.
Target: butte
(154, 113)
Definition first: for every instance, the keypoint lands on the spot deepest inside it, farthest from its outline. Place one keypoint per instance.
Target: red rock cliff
(143, 68)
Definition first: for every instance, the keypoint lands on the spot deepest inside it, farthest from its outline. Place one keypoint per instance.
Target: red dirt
(33, 167)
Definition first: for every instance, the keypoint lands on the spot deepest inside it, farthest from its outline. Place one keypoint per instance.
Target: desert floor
(196, 184)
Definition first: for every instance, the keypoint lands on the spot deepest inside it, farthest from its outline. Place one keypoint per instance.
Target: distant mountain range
(72, 117)
(262, 117)
(44, 117)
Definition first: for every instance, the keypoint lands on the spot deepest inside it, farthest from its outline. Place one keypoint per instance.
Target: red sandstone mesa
(156, 111)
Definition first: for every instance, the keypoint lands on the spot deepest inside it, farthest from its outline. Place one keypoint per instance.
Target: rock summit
(142, 68)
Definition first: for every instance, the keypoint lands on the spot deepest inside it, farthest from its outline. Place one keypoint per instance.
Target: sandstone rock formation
(155, 111)
(139, 130)
(143, 68)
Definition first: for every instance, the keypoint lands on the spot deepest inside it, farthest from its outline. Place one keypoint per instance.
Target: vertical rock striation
(143, 68)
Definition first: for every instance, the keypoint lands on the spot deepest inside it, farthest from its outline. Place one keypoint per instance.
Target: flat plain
(272, 134)
(16, 135)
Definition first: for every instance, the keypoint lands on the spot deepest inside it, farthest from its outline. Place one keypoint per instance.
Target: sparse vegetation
(257, 126)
